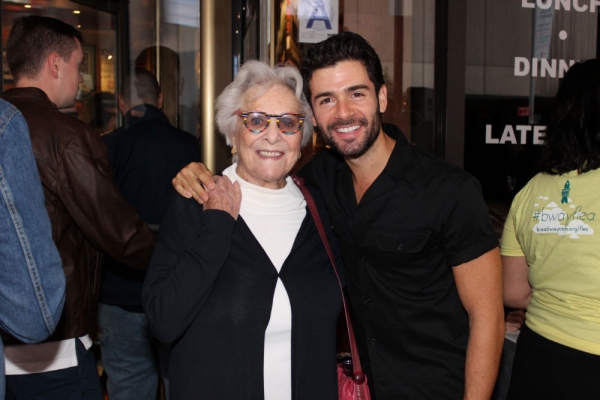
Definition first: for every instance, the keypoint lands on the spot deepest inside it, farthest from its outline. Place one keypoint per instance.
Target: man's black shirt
(420, 218)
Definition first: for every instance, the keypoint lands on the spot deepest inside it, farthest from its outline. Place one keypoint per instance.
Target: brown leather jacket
(88, 214)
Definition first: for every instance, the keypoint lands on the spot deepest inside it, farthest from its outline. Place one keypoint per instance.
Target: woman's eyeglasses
(257, 122)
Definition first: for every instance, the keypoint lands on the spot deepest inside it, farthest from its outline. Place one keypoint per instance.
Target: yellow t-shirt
(553, 222)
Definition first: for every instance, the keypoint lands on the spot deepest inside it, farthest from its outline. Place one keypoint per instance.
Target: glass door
(164, 38)
(516, 53)
(161, 36)
(96, 100)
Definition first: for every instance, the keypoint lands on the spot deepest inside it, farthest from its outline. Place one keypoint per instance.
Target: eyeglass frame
(244, 115)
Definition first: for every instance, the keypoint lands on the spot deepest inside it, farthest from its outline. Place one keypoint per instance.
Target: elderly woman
(551, 263)
(244, 289)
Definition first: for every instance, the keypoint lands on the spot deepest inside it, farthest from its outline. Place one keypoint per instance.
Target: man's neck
(35, 83)
(366, 168)
(25, 83)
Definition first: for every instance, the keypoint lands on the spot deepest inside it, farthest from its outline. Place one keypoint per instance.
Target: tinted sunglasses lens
(256, 121)
(289, 123)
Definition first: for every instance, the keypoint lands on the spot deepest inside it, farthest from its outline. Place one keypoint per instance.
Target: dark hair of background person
(169, 76)
(146, 59)
(346, 46)
(33, 38)
(572, 138)
(145, 85)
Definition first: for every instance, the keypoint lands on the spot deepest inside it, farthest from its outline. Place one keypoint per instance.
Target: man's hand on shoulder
(192, 180)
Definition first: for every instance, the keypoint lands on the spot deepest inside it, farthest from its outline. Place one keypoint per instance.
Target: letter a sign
(319, 14)
(318, 19)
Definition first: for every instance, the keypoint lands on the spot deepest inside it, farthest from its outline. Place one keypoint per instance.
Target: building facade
(471, 81)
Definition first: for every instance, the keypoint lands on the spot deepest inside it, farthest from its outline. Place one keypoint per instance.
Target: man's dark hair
(147, 59)
(345, 46)
(33, 38)
(572, 138)
(140, 84)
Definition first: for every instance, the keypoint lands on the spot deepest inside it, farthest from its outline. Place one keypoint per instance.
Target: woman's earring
(233, 151)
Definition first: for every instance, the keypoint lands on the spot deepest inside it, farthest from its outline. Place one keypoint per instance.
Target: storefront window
(161, 35)
(516, 54)
(96, 100)
(164, 38)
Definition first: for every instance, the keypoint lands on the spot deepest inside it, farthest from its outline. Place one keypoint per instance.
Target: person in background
(421, 256)
(102, 107)
(87, 213)
(551, 264)
(173, 84)
(32, 282)
(146, 153)
(242, 285)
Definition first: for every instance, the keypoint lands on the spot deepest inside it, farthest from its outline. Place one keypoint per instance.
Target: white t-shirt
(24, 359)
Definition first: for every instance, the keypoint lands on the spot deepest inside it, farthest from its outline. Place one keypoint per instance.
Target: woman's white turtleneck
(274, 216)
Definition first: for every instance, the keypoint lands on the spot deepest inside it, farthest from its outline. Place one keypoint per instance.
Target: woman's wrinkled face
(266, 158)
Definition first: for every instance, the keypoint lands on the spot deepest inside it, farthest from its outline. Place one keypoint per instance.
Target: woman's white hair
(260, 76)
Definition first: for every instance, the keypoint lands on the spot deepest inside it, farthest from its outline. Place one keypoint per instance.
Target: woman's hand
(225, 196)
(193, 180)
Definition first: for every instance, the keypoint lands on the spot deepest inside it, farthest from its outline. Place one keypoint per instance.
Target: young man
(32, 282)
(421, 257)
(146, 153)
(87, 213)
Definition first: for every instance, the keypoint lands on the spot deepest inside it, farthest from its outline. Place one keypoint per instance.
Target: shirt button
(373, 341)
(362, 258)
(367, 300)
(400, 246)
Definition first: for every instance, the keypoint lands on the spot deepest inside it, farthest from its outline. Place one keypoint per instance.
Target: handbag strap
(357, 374)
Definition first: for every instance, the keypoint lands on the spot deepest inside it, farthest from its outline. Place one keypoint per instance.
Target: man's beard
(357, 147)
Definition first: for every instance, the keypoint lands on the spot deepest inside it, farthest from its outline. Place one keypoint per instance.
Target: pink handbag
(352, 382)
(349, 389)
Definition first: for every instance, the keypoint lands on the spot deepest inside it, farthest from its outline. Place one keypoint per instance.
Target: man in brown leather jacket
(88, 214)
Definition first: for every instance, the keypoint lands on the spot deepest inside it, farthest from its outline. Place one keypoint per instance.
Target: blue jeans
(130, 355)
(75, 383)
